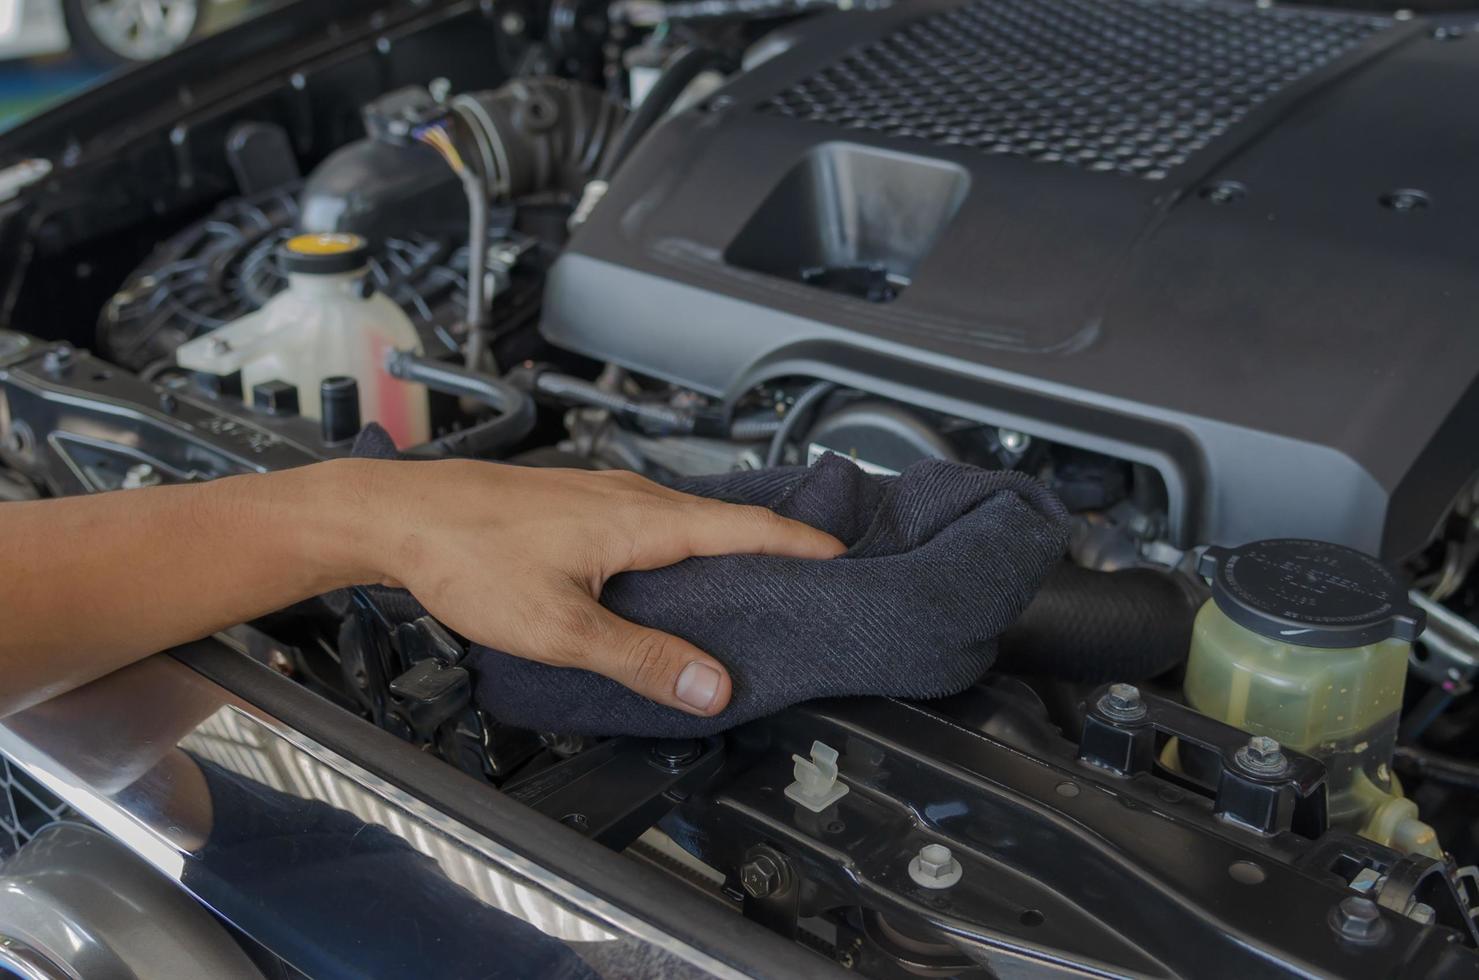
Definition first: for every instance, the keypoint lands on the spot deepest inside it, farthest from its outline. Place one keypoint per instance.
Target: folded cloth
(939, 561)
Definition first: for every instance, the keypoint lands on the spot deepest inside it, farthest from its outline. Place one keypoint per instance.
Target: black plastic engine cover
(1234, 243)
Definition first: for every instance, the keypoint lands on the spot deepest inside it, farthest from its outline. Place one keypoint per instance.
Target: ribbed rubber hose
(1099, 627)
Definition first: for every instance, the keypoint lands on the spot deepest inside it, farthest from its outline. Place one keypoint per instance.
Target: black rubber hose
(1410, 760)
(797, 414)
(515, 408)
(1099, 627)
(680, 70)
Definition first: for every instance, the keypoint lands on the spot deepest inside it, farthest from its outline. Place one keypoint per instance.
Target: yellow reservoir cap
(324, 243)
(324, 253)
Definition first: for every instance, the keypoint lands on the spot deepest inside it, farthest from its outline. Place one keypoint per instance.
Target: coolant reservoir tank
(1307, 642)
(325, 324)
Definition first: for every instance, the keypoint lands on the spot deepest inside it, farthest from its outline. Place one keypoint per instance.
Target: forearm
(88, 584)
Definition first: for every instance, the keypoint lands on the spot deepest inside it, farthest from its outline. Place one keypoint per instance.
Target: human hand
(515, 558)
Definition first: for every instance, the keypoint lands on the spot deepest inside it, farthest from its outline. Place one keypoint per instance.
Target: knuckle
(762, 519)
(647, 658)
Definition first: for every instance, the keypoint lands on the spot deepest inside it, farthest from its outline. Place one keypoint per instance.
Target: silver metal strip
(128, 753)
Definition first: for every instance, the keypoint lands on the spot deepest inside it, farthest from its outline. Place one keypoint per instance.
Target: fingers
(656, 665)
(695, 526)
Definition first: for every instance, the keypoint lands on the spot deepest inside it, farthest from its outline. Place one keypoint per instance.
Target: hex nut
(1358, 919)
(1123, 702)
(935, 867)
(1262, 756)
(762, 875)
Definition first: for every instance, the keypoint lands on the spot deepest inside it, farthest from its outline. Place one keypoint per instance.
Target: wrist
(337, 515)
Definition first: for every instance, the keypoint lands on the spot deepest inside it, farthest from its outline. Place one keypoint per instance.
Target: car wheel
(121, 32)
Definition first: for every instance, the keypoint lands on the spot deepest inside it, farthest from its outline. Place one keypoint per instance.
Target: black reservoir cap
(1310, 593)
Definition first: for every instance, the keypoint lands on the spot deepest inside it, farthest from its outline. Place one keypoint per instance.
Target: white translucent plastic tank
(321, 326)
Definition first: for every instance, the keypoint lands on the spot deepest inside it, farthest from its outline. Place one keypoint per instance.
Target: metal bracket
(1267, 802)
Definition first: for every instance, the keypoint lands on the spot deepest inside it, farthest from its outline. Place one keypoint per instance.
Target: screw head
(1359, 920)
(1262, 756)
(1122, 702)
(1013, 441)
(761, 876)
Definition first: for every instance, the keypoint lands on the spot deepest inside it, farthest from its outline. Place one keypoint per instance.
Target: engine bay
(1202, 268)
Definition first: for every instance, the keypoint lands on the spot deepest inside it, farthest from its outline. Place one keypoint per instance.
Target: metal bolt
(57, 359)
(512, 23)
(141, 475)
(935, 867)
(762, 875)
(1422, 912)
(675, 753)
(1013, 441)
(1123, 703)
(1358, 920)
(1262, 756)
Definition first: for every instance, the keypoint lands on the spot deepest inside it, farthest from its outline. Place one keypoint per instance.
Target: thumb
(656, 665)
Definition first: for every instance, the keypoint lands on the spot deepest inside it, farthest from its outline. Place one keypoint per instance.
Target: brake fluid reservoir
(1307, 642)
(323, 325)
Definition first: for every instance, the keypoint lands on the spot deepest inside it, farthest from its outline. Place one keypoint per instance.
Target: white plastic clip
(816, 786)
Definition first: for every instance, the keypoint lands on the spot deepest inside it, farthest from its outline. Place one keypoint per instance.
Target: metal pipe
(515, 408)
(477, 266)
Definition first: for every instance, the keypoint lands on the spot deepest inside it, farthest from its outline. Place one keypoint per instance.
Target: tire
(148, 38)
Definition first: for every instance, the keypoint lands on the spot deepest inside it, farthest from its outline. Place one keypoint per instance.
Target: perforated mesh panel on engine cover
(1128, 86)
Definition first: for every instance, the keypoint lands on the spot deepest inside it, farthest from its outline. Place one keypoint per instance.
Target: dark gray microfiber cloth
(940, 560)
